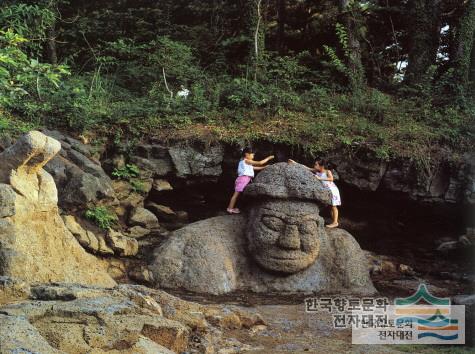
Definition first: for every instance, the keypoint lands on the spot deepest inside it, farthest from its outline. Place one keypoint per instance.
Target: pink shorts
(241, 183)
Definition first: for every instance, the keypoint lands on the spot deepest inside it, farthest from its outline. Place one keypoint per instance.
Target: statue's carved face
(284, 236)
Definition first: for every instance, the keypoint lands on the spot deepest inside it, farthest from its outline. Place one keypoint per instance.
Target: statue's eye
(308, 227)
(273, 223)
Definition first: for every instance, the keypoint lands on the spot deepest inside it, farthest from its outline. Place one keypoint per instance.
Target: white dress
(245, 169)
(336, 200)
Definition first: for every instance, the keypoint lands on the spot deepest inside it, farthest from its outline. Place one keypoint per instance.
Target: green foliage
(28, 21)
(242, 93)
(25, 83)
(335, 60)
(10, 126)
(127, 172)
(102, 217)
(343, 38)
(127, 61)
(176, 58)
(350, 66)
(137, 186)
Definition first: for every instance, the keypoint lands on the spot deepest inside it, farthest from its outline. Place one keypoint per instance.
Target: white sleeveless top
(245, 169)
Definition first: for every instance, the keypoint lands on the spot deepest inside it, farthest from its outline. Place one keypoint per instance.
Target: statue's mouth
(288, 258)
(281, 255)
(284, 260)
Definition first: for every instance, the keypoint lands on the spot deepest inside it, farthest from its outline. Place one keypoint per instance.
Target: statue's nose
(290, 238)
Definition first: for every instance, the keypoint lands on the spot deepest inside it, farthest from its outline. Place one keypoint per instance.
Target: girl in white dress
(323, 174)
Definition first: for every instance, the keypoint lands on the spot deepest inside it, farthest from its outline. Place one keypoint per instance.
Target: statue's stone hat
(288, 181)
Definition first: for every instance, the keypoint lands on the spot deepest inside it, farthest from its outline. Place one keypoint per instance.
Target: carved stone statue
(280, 246)
(284, 236)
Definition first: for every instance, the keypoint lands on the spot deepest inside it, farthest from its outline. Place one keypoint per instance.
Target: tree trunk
(465, 42)
(471, 76)
(357, 77)
(280, 26)
(51, 46)
(425, 34)
(255, 31)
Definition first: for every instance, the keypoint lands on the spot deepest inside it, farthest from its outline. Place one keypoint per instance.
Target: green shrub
(127, 172)
(29, 21)
(242, 93)
(102, 217)
(12, 126)
(24, 80)
(137, 186)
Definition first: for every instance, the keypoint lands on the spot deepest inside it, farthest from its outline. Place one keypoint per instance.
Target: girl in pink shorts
(245, 170)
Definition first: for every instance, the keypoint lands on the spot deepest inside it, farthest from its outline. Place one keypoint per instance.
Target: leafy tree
(425, 25)
(463, 61)
(349, 38)
(22, 77)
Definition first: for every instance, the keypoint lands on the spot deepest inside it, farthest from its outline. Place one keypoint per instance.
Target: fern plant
(102, 217)
(127, 172)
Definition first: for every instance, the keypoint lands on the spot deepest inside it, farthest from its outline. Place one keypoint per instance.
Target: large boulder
(287, 181)
(469, 302)
(183, 161)
(122, 245)
(79, 177)
(189, 161)
(143, 217)
(12, 290)
(153, 160)
(16, 332)
(35, 245)
(363, 171)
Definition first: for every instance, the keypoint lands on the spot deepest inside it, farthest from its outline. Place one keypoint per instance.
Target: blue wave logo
(438, 336)
(438, 322)
(437, 325)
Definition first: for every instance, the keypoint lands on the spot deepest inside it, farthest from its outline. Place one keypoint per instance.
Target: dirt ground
(290, 329)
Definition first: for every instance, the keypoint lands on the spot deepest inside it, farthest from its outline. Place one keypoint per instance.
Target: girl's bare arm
(258, 168)
(259, 163)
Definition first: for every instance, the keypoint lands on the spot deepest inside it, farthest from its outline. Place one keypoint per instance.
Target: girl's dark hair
(246, 150)
(324, 163)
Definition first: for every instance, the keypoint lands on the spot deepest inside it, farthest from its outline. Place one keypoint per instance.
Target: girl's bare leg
(334, 213)
(232, 202)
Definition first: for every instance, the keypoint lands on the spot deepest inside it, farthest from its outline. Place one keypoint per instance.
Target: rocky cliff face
(57, 298)
(34, 243)
(436, 181)
(81, 180)
(78, 174)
